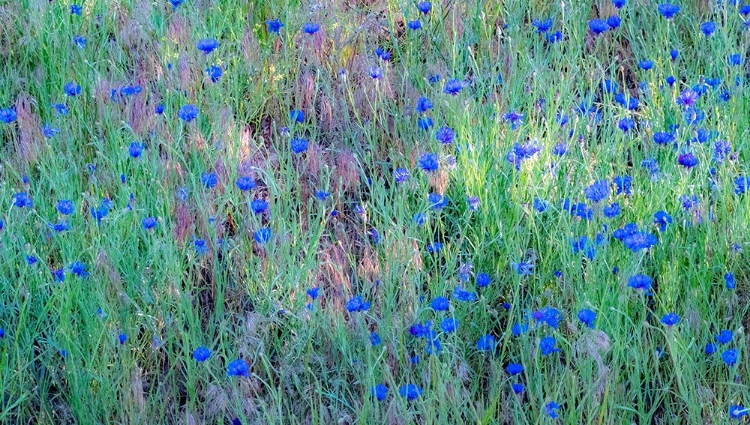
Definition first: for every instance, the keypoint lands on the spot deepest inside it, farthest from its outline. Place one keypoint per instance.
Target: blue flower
(245, 183)
(214, 73)
(670, 319)
(440, 304)
(588, 317)
(453, 87)
(356, 304)
(175, 3)
(22, 200)
(710, 349)
(75, 9)
(274, 25)
(149, 223)
(136, 148)
(734, 59)
(410, 391)
(618, 3)
(598, 26)
(741, 185)
(418, 219)
(514, 369)
(200, 247)
(298, 145)
(414, 25)
(437, 201)
(400, 175)
(72, 89)
(523, 268)
(668, 10)
(31, 260)
(159, 109)
(238, 367)
(522, 152)
(670, 80)
(663, 137)
(483, 279)
(724, 337)
(646, 64)
(547, 345)
(428, 162)
(708, 28)
(687, 160)
(422, 331)
(425, 123)
(449, 325)
(123, 337)
(517, 388)
(373, 234)
(730, 357)
(445, 135)
(461, 294)
(473, 203)
(598, 191)
(687, 98)
(661, 220)
(78, 269)
(376, 73)
(375, 339)
(641, 282)
(311, 28)
(736, 411)
(612, 210)
(79, 41)
(262, 235)
(65, 207)
(552, 38)
(201, 354)
(639, 240)
(674, 54)
(518, 329)
(297, 115)
(187, 113)
(131, 90)
(380, 392)
(550, 409)
(614, 21)
(542, 26)
(486, 343)
(729, 281)
(384, 55)
(209, 180)
(207, 45)
(322, 195)
(423, 105)
(424, 7)
(549, 315)
(514, 118)
(626, 124)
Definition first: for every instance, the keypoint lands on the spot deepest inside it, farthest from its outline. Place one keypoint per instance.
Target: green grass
(248, 300)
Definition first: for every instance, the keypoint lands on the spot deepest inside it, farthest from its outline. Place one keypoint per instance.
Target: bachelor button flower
(730, 357)
(612, 210)
(646, 64)
(375, 339)
(423, 105)
(175, 3)
(626, 124)
(440, 304)
(75, 9)
(8, 116)
(425, 123)
(522, 152)
(588, 317)
(710, 349)
(297, 115)
(483, 279)
(453, 87)
(639, 240)
(322, 195)
(401, 175)
(729, 281)
(131, 90)
(670, 80)
(445, 135)
(734, 59)
(149, 223)
(65, 207)
(238, 368)
(670, 319)
(542, 26)
(414, 25)
(123, 337)
(708, 28)
(200, 246)
(22, 200)
(311, 28)
(668, 10)
(463, 295)
(741, 185)
(136, 148)
(687, 160)
(687, 98)
(598, 191)
(356, 304)
(618, 3)
(518, 329)
(724, 337)
(376, 73)
(661, 219)
(187, 113)
(737, 411)
(514, 118)
(428, 162)
(424, 7)
(298, 145)
(245, 183)
(437, 201)
(449, 325)
(383, 55)
(274, 25)
(262, 235)
(548, 345)
(549, 315)
(78, 269)
(517, 388)
(514, 369)
(614, 21)
(209, 180)
(201, 354)
(486, 343)
(79, 41)
(418, 219)
(641, 282)
(598, 26)
(214, 73)
(523, 268)
(380, 392)
(72, 89)
(207, 45)
(159, 109)
(551, 409)
(663, 137)
(410, 391)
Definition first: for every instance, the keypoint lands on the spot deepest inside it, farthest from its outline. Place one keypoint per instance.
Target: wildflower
(514, 369)
(724, 337)
(175, 3)
(542, 26)
(514, 118)
(588, 317)
(670, 319)
(424, 7)
(612, 210)
(149, 223)
(245, 183)
(187, 113)
(440, 304)
(646, 64)
(548, 345)
(486, 343)
(374, 339)
(641, 282)
(31, 260)
(422, 331)
(661, 219)
(356, 304)
(238, 367)
(311, 28)
(384, 55)
(548, 315)
(734, 59)
(473, 203)
(523, 268)
(708, 28)
(522, 152)
(668, 10)
(597, 191)
(79, 41)
(22, 200)
(737, 411)
(670, 80)
(437, 201)
(551, 409)
(614, 21)
(729, 281)
(639, 240)
(445, 135)
(663, 137)
(423, 105)
(262, 235)
(373, 234)
(410, 391)
(483, 279)
(518, 329)
(209, 180)
(274, 25)
(618, 3)
(461, 294)
(453, 87)
(123, 337)
(380, 392)
(418, 219)
(136, 148)
(200, 246)
(298, 145)
(214, 73)
(741, 185)
(517, 388)
(730, 357)
(710, 349)
(414, 25)
(376, 73)
(159, 109)
(449, 325)
(428, 162)
(687, 98)
(626, 124)
(75, 9)
(72, 89)
(687, 160)
(201, 354)
(552, 38)
(207, 45)
(78, 269)
(322, 195)
(598, 26)
(297, 115)
(425, 123)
